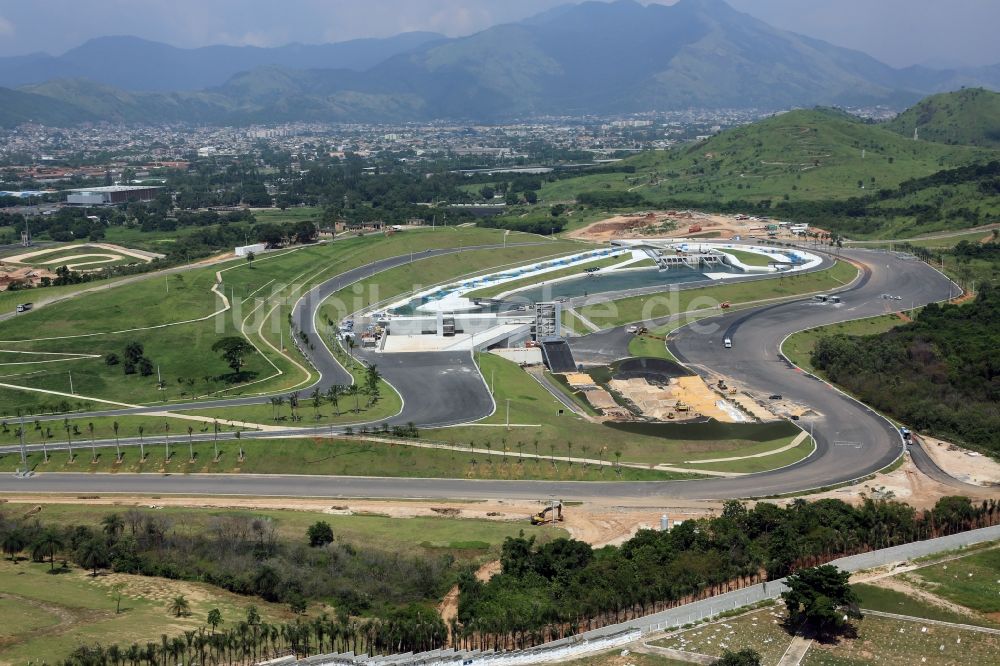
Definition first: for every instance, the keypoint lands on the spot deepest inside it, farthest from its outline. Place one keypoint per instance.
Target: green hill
(969, 117)
(803, 155)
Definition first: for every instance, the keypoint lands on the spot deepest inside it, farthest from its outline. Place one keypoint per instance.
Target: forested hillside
(939, 374)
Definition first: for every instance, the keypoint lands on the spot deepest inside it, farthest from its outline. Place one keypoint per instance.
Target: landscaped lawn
(654, 306)
(972, 581)
(882, 599)
(423, 273)
(750, 258)
(524, 283)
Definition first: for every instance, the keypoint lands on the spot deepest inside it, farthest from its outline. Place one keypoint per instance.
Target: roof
(115, 188)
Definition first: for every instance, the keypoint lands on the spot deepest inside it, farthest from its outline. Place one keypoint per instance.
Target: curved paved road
(853, 441)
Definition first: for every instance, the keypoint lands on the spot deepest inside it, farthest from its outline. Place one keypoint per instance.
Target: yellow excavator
(543, 516)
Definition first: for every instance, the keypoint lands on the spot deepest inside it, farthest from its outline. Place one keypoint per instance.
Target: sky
(898, 32)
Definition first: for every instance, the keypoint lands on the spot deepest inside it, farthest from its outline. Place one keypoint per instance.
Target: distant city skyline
(898, 32)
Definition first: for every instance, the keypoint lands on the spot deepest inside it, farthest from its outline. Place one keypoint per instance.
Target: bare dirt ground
(969, 466)
(651, 225)
(907, 484)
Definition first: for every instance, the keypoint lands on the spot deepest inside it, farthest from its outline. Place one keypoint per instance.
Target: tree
(93, 554)
(745, 657)
(234, 351)
(13, 542)
(821, 600)
(46, 545)
(214, 618)
(112, 525)
(320, 534)
(179, 606)
(250, 257)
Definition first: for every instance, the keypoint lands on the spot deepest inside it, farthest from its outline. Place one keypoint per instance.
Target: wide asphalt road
(853, 441)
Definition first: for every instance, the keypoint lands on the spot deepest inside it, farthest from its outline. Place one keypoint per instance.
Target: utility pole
(24, 452)
(492, 383)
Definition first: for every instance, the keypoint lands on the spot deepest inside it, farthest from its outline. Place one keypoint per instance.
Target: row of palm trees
(73, 429)
(252, 640)
(332, 395)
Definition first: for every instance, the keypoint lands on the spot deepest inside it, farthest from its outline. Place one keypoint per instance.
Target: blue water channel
(615, 281)
(584, 285)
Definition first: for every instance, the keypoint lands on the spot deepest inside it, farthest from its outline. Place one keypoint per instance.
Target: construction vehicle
(543, 517)
(681, 407)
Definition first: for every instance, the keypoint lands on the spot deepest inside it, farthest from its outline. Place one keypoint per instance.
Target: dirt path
(67, 619)
(448, 608)
(903, 586)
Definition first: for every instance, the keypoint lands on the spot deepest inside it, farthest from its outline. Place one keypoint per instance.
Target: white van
(727, 343)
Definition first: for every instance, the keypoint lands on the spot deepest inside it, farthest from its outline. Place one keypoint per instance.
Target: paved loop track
(852, 441)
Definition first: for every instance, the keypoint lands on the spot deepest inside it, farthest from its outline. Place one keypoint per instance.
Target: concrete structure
(256, 248)
(110, 195)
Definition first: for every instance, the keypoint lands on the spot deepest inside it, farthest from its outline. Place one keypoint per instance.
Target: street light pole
(70, 372)
(508, 413)
(24, 452)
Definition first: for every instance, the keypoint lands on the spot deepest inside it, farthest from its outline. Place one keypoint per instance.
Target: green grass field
(339, 457)
(411, 535)
(799, 346)
(643, 308)
(882, 599)
(263, 295)
(943, 243)
(128, 426)
(749, 258)
(972, 581)
(423, 273)
(649, 347)
(48, 616)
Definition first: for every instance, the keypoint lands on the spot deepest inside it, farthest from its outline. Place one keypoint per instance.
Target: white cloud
(6, 27)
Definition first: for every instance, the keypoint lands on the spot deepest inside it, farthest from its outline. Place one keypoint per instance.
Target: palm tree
(118, 451)
(93, 447)
(69, 439)
(13, 542)
(333, 395)
(190, 444)
(214, 618)
(215, 441)
(355, 390)
(93, 554)
(112, 525)
(179, 606)
(46, 545)
(317, 400)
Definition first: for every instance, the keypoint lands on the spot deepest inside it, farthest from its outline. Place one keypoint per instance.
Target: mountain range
(589, 58)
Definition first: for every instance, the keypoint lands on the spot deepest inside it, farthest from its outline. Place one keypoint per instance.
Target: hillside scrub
(938, 374)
